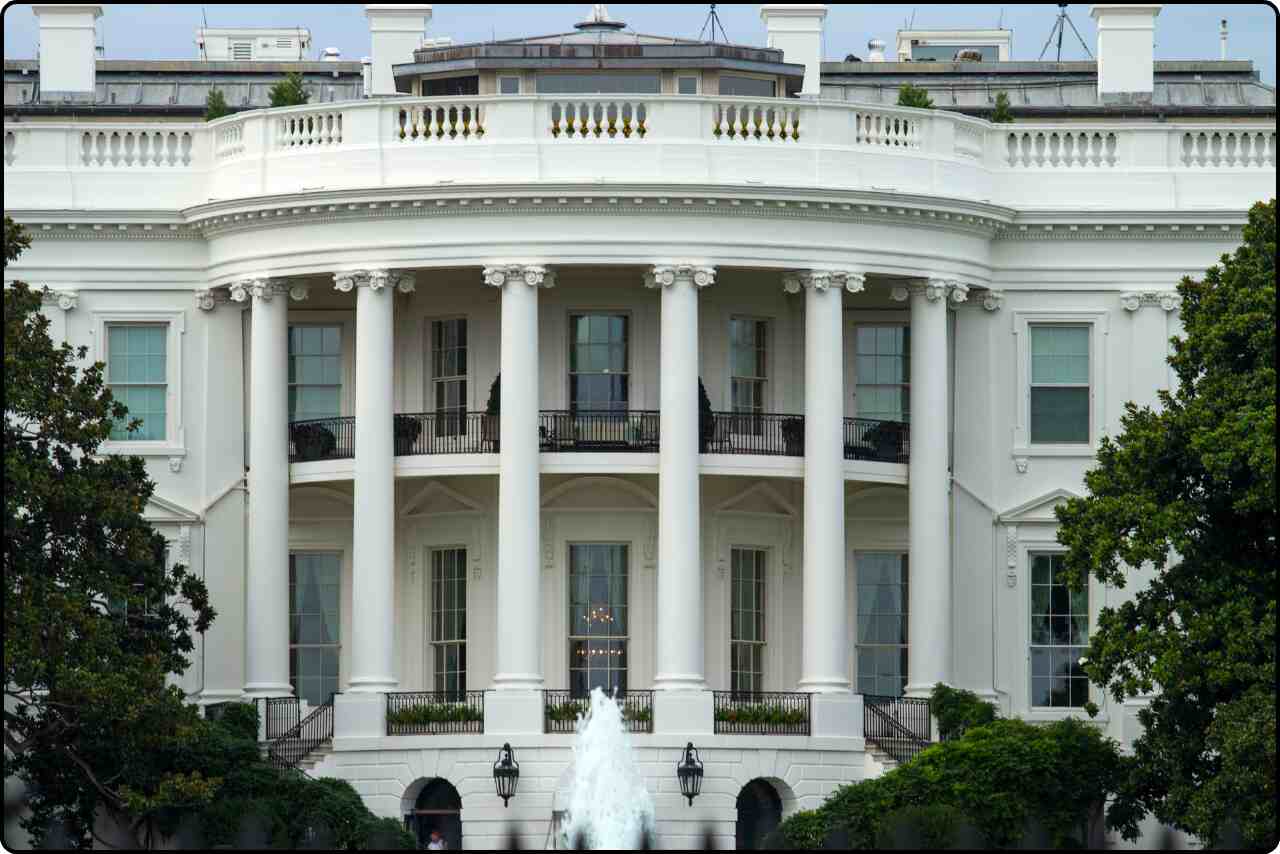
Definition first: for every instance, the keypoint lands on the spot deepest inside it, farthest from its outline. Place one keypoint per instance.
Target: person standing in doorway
(437, 842)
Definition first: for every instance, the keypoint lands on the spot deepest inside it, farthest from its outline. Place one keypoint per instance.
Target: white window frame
(902, 321)
(429, 391)
(174, 442)
(902, 549)
(429, 578)
(633, 390)
(567, 604)
(763, 643)
(504, 77)
(697, 84)
(770, 331)
(344, 619)
(346, 337)
(342, 355)
(1099, 328)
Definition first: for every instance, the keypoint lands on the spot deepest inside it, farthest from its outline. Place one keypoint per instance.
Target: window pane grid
(137, 377)
(748, 362)
(314, 624)
(598, 601)
(599, 359)
(883, 372)
(449, 618)
(315, 371)
(1059, 384)
(882, 646)
(449, 374)
(1059, 635)
(747, 623)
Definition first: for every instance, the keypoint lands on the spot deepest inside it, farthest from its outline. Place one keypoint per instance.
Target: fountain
(609, 806)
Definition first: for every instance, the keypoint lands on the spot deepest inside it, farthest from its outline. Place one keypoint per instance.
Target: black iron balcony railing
(636, 431)
(900, 726)
(598, 430)
(762, 712)
(878, 441)
(282, 714)
(561, 710)
(762, 433)
(297, 743)
(434, 712)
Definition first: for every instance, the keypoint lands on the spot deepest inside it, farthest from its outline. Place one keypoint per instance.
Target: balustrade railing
(900, 726)
(322, 127)
(434, 712)
(762, 122)
(598, 430)
(562, 709)
(878, 441)
(442, 122)
(761, 712)
(1062, 149)
(229, 140)
(299, 741)
(886, 128)
(139, 148)
(759, 433)
(282, 715)
(322, 439)
(612, 117)
(1233, 148)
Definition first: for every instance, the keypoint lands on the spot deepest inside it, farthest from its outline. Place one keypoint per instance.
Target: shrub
(1001, 114)
(760, 713)
(706, 419)
(494, 404)
(914, 96)
(434, 713)
(240, 720)
(289, 92)
(926, 827)
(215, 106)
(1004, 777)
(956, 710)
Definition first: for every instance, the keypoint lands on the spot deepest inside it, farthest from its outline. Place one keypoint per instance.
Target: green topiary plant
(706, 419)
(215, 106)
(957, 710)
(914, 96)
(289, 92)
(1001, 114)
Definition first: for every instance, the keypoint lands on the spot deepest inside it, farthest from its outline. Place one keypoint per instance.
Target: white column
(519, 653)
(680, 617)
(929, 562)
(373, 524)
(825, 658)
(266, 665)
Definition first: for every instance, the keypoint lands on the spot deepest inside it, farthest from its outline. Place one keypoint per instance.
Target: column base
(261, 690)
(679, 682)
(372, 685)
(359, 715)
(684, 712)
(224, 695)
(518, 682)
(513, 712)
(824, 685)
(836, 715)
(923, 690)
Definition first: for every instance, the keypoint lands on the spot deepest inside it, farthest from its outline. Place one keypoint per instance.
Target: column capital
(933, 288)
(65, 300)
(993, 300)
(376, 280)
(666, 275)
(794, 281)
(533, 275)
(1167, 300)
(259, 287)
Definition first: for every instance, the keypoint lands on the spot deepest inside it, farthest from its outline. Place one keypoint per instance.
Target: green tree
(1189, 489)
(1001, 114)
(914, 96)
(215, 106)
(94, 621)
(289, 92)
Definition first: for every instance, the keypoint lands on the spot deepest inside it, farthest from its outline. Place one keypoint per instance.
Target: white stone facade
(379, 217)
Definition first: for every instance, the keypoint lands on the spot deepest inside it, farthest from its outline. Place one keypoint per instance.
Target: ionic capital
(376, 280)
(992, 300)
(258, 287)
(533, 275)
(795, 281)
(65, 300)
(933, 289)
(211, 298)
(666, 275)
(299, 291)
(1167, 300)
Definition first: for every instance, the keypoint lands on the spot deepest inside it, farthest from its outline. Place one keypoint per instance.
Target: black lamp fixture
(506, 774)
(689, 770)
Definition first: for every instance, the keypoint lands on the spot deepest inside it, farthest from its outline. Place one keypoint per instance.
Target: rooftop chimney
(1126, 52)
(395, 31)
(796, 30)
(68, 52)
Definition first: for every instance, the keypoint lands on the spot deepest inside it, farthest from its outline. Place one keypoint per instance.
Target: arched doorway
(437, 807)
(759, 814)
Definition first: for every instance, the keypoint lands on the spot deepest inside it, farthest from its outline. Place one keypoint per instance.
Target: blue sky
(166, 31)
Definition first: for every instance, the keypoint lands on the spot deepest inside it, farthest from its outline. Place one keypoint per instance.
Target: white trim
(1098, 323)
(175, 443)
(345, 319)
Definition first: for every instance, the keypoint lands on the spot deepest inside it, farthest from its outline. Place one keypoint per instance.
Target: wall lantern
(690, 773)
(506, 773)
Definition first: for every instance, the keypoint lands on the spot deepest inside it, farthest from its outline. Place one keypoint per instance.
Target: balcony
(435, 712)
(563, 431)
(561, 710)
(211, 172)
(762, 712)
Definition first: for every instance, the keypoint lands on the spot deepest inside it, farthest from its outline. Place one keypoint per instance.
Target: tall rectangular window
(597, 618)
(746, 630)
(749, 364)
(449, 375)
(137, 374)
(882, 623)
(883, 369)
(314, 625)
(599, 379)
(1059, 635)
(315, 371)
(1059, 384)
(449, 619)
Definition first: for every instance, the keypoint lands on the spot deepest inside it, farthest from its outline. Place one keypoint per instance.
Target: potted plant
(489, 422)
(793, 436)
(407, 429)
(312, 441)
(706, 419)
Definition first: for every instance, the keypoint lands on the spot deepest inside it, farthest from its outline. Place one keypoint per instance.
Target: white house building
(913, 328)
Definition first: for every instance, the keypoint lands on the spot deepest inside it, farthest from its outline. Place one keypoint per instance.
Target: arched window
(759, 814)
(437, 807)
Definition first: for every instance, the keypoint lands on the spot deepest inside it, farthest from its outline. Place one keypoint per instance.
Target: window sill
(1041, 714)
(1078, 451)
(141, 449)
